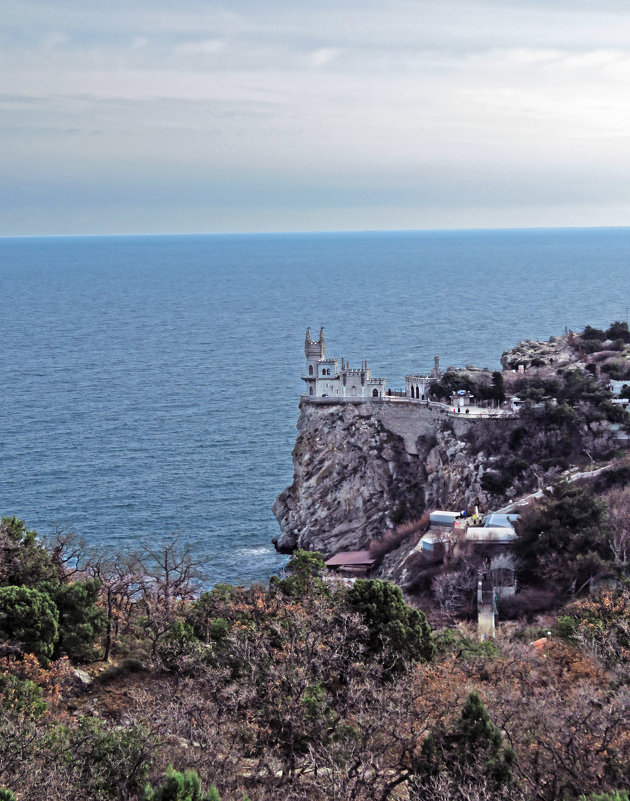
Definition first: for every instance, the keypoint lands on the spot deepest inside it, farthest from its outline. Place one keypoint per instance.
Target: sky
(147, 116)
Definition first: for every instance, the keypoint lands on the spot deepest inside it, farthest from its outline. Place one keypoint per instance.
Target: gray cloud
(313, 115)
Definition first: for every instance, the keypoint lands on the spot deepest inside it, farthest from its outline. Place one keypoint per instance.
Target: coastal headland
(367, 458)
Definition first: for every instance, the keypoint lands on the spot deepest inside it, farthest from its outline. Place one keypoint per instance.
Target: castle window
(310, 369)
(310, 391)
(375, 393)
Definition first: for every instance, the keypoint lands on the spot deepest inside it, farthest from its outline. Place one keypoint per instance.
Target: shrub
(618, 330)
(495, 483)
(304, 570)
(29, 618)
(615, 370)
(109, 763)
(181, 651)
(178, 786)
(591, 345)
(408, 532)
(81, 621)
(21, 695)
(531, 601)
(594, 333)
(600, 623)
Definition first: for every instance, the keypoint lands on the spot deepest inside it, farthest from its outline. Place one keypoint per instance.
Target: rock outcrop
(362, 468)
(557, 352)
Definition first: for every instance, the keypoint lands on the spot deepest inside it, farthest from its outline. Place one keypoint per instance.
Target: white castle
(324, 379)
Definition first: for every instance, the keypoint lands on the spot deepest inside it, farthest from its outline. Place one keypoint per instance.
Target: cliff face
(361, 468)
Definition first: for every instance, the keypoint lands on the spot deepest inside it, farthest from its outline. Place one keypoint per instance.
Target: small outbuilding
(351, 563)
(443, 519)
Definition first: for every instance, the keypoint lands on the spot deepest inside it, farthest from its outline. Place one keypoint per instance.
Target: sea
(150, 384)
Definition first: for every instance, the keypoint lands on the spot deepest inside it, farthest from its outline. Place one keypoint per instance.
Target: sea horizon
(306, 232)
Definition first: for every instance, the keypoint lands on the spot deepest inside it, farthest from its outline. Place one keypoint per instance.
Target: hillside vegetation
(295, 690)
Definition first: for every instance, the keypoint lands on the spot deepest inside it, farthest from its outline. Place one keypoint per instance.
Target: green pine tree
(178, 786)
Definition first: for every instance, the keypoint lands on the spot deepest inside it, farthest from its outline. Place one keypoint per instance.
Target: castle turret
(314, 351)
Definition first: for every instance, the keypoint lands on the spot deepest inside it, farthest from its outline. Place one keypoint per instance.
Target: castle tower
(313, 352)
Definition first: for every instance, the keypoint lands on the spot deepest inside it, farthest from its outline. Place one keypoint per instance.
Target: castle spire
(322, 343)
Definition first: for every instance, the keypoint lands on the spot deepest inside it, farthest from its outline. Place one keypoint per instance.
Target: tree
(471, 752)
(304, 570)
(30, 618)
(618, 330)
(561, 538)
(169, 577)
(118, 578)
(178, 786)
(396, 630)
(81, 621)
(593, 333)
(23, 559)
(498, 386)
(618, 519)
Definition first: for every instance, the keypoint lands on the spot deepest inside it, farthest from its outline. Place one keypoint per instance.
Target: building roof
(438, 513)
(490, 534)
(349, 558)
(500, 520)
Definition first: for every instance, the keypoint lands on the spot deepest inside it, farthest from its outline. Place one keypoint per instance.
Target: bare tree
(119, 576)
(454, 591)
(503, 567)
(169, 576)
(618, 518)
(69, 552)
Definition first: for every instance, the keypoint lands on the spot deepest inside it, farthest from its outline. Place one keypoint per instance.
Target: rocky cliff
(362, 468)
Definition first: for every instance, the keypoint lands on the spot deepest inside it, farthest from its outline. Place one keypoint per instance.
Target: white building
(324, 379)
(417, 386)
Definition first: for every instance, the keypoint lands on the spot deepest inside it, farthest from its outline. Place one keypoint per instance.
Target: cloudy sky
(162, 116)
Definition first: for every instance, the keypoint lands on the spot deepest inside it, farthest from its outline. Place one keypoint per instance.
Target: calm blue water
(151, 384)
